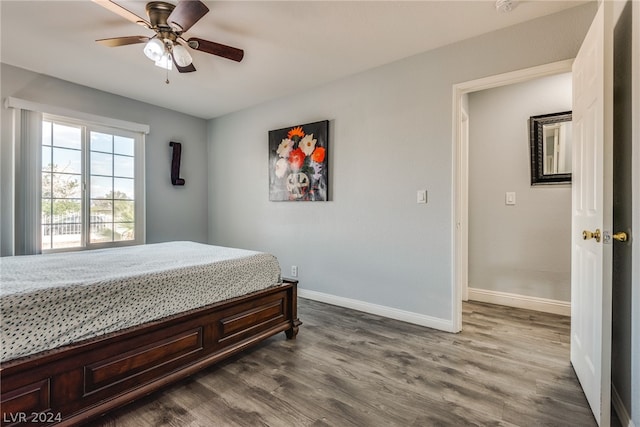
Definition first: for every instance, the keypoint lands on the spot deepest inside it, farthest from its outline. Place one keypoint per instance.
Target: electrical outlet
(294, 270)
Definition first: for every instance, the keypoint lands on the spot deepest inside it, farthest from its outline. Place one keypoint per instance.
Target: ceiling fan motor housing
(159, 12)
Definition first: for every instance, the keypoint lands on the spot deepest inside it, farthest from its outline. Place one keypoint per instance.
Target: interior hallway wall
(522, 249)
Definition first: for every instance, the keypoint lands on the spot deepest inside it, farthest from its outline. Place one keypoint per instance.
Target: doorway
(460, 172)
(520, 223)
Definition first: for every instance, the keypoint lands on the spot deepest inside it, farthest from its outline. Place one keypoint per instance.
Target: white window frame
(26, 185)
(86, 129)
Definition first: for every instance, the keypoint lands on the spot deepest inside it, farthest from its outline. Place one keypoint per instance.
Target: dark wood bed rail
(75, 383)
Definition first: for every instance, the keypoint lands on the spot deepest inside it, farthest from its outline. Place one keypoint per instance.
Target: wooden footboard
(75, 383)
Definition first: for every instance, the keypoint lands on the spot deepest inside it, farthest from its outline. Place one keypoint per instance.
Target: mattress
(51, 300)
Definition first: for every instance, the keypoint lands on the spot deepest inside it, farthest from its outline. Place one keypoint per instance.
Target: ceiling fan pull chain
(167, 81)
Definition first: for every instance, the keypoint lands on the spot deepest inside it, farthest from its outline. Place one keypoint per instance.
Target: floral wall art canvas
(298, 163)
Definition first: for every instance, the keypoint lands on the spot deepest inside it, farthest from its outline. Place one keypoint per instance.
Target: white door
(592, 214)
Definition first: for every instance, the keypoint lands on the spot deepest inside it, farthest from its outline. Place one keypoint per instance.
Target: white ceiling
(289, 46)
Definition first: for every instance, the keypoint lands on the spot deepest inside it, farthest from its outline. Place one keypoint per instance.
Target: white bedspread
(55, 299)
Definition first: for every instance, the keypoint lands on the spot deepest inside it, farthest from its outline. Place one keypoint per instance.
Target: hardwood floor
(509, 367)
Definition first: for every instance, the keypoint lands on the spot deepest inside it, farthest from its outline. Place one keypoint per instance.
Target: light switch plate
(510, 198)
(421, 196)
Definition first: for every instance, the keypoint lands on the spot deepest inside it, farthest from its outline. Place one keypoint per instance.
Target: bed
(85, 332)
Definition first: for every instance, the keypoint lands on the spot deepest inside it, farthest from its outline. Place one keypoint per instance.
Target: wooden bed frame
(74, 383)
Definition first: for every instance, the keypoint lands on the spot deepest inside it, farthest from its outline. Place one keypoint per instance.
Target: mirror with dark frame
(550, 142)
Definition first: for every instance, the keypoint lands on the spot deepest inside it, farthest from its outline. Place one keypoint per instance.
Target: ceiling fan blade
(123, 41)
(217, 49)
(188, 69)
(187, 13)
(125, 13)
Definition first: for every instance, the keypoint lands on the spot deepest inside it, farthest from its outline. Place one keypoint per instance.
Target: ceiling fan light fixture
(181, 55)
(154, 49)
(165, 61)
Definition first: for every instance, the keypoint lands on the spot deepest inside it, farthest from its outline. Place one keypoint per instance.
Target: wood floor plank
(508, 367)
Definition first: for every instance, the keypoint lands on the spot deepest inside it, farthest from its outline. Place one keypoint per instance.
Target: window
(91, 185)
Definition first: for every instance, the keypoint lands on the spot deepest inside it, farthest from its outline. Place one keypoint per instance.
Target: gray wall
(390, 135)
(523, 249)
(173, 213)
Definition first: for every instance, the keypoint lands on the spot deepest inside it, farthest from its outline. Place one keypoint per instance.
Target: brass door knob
(587, 235)
(621, 236)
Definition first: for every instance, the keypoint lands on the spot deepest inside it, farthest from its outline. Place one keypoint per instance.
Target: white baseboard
(520, 301)
(380, 310)
(621, 411)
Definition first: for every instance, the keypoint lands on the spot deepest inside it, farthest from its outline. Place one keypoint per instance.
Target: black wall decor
(175, 163)
(550, 144)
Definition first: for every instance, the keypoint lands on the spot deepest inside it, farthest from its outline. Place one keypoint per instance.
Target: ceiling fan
(169, 22)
